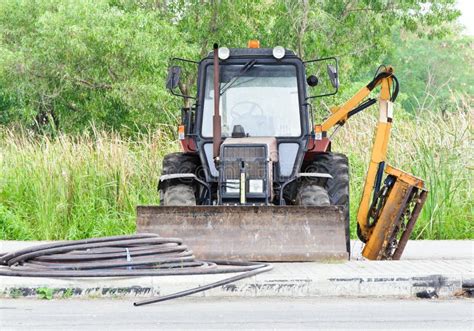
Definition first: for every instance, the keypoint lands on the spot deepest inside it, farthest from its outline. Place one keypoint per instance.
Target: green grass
(73, 187)
(76, 187)
(433, 147)
(45, 293)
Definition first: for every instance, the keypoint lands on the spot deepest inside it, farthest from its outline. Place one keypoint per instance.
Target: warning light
(254, 43)
(181, 132)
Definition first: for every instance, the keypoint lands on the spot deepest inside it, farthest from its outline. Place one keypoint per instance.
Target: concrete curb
(428, 268)
(350, 279)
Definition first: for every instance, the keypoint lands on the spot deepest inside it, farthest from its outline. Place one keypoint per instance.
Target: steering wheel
(253, 106)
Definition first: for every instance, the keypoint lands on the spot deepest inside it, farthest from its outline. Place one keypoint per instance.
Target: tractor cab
(264, 128)
(258, 97)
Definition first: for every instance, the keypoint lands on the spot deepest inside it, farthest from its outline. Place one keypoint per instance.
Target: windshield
(263, 99)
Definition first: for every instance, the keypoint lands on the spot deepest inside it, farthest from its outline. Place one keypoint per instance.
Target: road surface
(238, 313)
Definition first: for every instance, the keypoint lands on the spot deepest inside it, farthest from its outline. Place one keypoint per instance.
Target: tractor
(257, 179)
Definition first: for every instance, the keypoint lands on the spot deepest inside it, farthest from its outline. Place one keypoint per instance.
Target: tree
(65, 64)
(71, 63)
(434, 72)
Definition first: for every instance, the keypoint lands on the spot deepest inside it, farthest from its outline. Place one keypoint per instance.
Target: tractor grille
(253, 158)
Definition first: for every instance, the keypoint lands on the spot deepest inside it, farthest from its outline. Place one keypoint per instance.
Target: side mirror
(172, 80)
(332, 72)
(312, 80)
(315, 72)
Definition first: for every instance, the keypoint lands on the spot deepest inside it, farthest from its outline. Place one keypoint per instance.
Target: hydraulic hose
(381, 76)
(122, 256)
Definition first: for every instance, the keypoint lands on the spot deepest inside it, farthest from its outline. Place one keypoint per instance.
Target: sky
(467, 15)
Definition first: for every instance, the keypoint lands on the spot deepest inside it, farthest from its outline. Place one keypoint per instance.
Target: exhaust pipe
(216, 119)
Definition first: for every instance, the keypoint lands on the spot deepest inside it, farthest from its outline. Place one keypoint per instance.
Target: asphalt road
(264, 313)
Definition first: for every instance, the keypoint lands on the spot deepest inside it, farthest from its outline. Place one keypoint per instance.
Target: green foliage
(434, 73)
(45, 293)
(12, 225)
(15, 293)
(74, 188)
(65, 64)
(70, 63)
(67, 293)
(432, 146)
(96, 68)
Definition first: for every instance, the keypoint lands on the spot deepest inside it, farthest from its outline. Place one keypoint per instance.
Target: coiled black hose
(122, 256)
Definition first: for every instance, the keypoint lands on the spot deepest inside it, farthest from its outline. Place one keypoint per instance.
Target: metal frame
(170, 65)
(337, 70)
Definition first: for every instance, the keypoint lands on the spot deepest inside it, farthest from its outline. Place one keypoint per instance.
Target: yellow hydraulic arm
(387, 214)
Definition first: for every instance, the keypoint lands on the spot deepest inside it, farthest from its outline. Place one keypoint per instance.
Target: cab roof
(253, 52)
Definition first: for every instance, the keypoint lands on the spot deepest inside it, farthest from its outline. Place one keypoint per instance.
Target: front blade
(251, 233)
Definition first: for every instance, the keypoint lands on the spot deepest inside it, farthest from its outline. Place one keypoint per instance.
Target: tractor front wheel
(337, 188)
(179, 195)
(179, 192)
(312, 195)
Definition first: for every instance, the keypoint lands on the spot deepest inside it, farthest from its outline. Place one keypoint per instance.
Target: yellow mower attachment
(394, 212)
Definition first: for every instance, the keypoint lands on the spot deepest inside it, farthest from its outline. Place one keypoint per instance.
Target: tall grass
(437, 148)
(72, 187)
(76, 187)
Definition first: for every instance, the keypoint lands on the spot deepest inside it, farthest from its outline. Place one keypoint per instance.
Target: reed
(79, 186)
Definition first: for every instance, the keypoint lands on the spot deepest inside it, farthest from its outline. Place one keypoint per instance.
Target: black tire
(337, 165)
(180, 163)
(179, 195)
(179, 192)
(312, 195)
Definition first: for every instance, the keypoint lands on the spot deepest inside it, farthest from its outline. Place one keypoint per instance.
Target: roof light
(223, 53)
(253, 43)
(278, 52)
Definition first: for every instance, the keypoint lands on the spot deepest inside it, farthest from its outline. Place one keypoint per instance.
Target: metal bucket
(251, 233)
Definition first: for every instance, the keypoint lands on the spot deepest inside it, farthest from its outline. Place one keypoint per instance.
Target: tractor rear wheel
(179, 192)
(337, 187)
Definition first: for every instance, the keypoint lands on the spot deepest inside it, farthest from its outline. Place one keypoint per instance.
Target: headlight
(278, 52)
(255, 186)
(223, 53)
